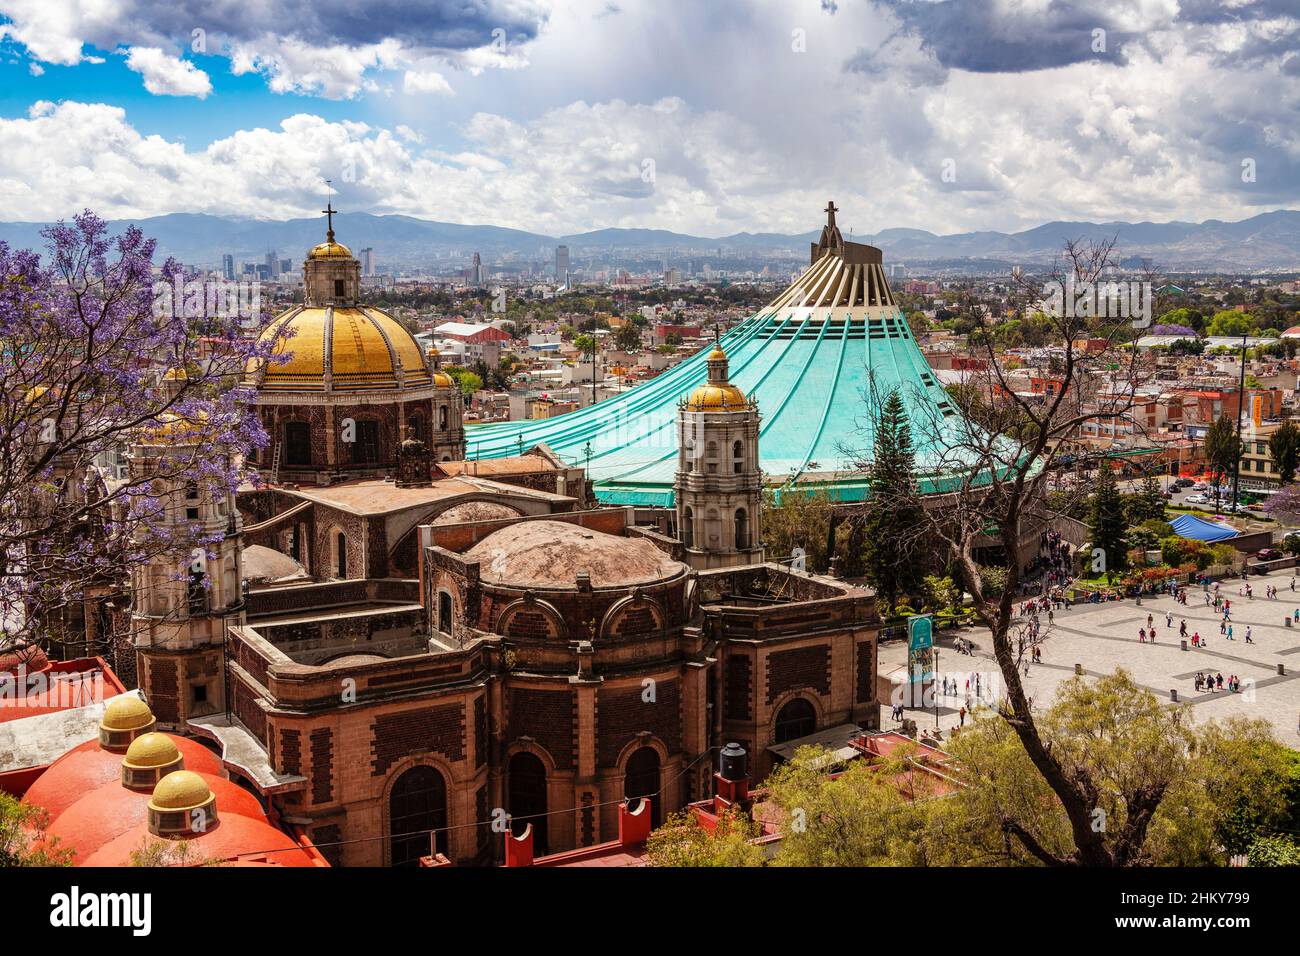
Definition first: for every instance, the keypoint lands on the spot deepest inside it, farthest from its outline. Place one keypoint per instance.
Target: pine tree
(1107, 523)
(892, 516)
(1222, 451)
(1153, 498)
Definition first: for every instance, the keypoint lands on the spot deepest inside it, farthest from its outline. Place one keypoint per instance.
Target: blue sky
(709, 118)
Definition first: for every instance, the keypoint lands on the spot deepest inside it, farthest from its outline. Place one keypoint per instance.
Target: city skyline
(560, 118)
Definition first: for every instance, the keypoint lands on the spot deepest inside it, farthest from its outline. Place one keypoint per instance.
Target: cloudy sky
(705, 117)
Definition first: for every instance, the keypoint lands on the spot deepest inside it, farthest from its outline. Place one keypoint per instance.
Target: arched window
(738, 457)
(526, 797)
(297, 444)
(641, 779)
(796, 719)
(417, 426)
(688, 527)
(417, 805)
(444, 612)
(341, 543)
(442, 418)
(742, 530)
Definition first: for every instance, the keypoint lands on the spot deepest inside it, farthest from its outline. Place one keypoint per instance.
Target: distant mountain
(1268, 241)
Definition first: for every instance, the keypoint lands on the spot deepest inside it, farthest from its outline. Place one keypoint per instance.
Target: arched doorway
(742, 530)
(641, 779)
(416, 805)
(526, 797)
(341, 547)
(796, 719)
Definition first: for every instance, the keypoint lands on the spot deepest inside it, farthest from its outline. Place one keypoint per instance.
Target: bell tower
(183, 603)
(719, 483)
(330, 274)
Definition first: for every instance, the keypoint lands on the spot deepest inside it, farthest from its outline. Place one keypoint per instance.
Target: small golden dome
(126, 713)
(715, 397)
(151, 750)
(180, 790)
(330, 250)
(717, 355)
(443, 380)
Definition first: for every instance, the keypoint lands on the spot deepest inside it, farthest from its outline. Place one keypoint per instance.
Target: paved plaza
(1104, 637)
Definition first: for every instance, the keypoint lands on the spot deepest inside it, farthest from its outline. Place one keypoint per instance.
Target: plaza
(1101, 638)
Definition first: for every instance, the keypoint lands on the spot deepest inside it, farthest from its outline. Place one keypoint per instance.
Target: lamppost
(934, 681)
(1241, 405)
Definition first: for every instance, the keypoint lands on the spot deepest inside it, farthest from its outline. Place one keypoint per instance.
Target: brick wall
(739, 688)
(798, 668)
(438, 729)
(623, 713)
(322, 765)
(546, 716)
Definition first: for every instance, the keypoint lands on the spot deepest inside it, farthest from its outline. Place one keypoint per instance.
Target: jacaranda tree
(97, 347)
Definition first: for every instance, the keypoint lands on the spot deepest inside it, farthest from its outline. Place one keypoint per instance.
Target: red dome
(103, 814)
(88, 766)
(232, 836)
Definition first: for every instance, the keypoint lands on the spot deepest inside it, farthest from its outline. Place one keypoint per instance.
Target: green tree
(586, 344)
(1222, 452)
(683, 841)
(891, 517)
(1284, 447)
(860, 817)
(794, 519)
(1163, 794)
(1107, 522)
(22, 836)
(628, 337)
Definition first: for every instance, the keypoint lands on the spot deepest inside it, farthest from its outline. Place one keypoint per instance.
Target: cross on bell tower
(329, 211)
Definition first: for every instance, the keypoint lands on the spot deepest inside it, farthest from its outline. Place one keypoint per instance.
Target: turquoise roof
(806, 359)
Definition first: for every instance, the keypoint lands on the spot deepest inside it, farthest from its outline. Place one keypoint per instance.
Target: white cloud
(166, 75)
(425, 81)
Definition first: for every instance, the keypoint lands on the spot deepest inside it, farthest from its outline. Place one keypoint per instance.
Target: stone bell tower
(719, 483)
(182, 603)
(330, 274)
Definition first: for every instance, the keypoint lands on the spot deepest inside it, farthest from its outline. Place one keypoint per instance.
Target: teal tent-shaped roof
(811, 359)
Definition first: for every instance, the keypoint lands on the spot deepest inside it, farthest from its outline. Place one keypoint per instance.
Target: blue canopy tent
(1198, 529)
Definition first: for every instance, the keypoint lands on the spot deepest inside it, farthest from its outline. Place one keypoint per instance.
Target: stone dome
(551, 554)
(127, 712)
(152, 750)
(180, 790)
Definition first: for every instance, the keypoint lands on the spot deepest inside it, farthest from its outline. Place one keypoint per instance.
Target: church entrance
(641, 779)
(417, 804)
(526, 798)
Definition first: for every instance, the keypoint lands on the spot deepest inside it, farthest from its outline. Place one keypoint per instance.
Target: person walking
(1248, 640)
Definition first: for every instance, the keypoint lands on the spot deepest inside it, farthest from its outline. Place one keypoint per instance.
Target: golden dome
(717, 355)
(151, 750)
(363, 348)
(127, 712)
(330, 250)
(716, 397)
(180, 790)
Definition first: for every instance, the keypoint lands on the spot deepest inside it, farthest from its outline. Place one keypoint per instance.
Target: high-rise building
(478, 275)
(562, 264)
(367, 262)
(228, 266)
(272, 265)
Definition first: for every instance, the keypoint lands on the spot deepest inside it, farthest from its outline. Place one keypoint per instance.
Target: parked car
(1183, 482)
(1268, 554)
(1197, 499)
(1200, 486)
